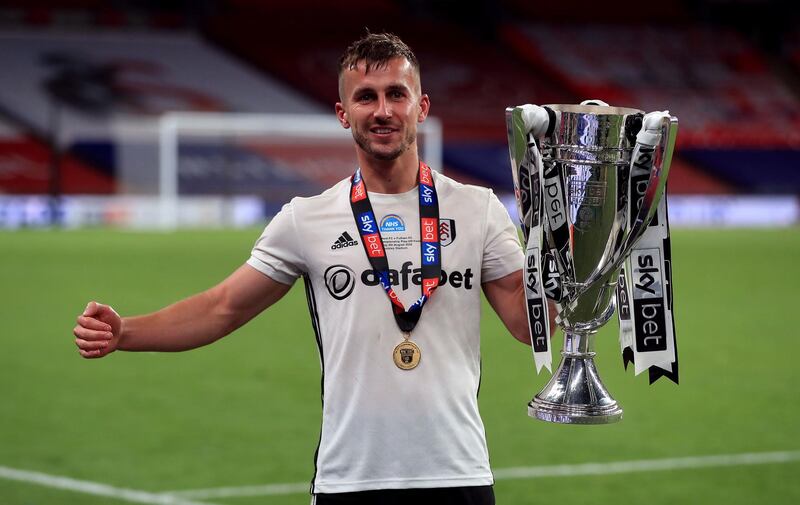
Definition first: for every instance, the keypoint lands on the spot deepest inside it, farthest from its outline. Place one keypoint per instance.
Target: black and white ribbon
(529, 178)
(538, 320)
(644, 289)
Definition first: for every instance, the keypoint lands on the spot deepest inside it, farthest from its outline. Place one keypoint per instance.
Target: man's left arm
(506, 295)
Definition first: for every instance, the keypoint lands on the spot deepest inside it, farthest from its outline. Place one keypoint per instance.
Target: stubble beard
(363, 142)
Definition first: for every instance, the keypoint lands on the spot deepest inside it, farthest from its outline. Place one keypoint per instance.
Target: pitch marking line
(648, 465)
(94, 488)
(525, 472)
(533, 472)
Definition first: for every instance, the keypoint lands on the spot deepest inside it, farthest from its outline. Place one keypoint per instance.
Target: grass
(246, 410)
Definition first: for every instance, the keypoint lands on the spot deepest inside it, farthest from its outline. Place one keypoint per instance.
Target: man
(392, 259)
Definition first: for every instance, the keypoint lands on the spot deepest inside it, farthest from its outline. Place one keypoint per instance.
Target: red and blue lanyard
(430, 249)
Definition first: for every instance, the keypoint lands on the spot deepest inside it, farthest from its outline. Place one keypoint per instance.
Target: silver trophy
(589, 179)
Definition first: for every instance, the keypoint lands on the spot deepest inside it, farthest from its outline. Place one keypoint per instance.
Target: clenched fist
(98, 330)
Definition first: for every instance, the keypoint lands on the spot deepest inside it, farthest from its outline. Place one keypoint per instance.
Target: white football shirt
(383, 427)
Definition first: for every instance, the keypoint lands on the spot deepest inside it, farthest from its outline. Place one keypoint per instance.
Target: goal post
(304, 148)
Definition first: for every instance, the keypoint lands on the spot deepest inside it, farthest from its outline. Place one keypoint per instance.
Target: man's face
(382, 107)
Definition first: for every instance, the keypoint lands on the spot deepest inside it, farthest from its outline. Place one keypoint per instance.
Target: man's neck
(390, 176)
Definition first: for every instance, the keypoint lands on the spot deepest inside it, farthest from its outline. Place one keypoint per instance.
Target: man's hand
(98, 330)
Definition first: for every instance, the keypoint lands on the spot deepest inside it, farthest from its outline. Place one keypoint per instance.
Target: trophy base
(575, 395)
(553, 413)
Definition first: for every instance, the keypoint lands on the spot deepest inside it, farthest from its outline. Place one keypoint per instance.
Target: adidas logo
(344, 240)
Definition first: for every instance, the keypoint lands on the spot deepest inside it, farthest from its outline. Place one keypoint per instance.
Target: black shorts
(472, 495)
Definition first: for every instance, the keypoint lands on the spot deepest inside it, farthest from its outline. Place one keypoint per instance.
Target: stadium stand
(718, 84)
(721, 87)
(81, 88)
(623, 12)
(469, 80)
(734, 85)
(739, 120)
(26, 164)
(95, 14)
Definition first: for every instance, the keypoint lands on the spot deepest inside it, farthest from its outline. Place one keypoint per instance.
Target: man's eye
(365, 97)
(396, 95)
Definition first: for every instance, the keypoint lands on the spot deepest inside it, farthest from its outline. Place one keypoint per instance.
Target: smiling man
(382, 101)
(400, 420)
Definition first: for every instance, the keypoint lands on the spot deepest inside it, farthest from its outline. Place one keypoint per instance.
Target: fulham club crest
(447, 231)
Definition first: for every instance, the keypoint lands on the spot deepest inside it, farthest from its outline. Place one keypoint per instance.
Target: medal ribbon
(429, 243)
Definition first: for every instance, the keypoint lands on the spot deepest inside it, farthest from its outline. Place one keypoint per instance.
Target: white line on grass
(647, 465)
(533, 472)
(257, 490)
(94, 488)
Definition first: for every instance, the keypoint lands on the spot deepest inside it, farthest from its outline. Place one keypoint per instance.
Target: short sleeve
(502, 253)
(277, 252)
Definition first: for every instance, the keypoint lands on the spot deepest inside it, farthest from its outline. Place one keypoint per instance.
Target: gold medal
(406, 355)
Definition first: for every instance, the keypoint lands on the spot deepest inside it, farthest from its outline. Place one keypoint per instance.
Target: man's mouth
(382, 130)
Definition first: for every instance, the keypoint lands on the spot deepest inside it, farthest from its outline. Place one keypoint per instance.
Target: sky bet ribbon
(524, 125)
(429, 243)
(644, 291)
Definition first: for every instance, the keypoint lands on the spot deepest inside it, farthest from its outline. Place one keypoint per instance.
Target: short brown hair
(375, 50)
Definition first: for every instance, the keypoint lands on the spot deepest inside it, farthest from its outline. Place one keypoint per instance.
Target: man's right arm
(190, 323)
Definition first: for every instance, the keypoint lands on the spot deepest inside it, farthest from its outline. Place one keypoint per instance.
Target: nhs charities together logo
(392, 223)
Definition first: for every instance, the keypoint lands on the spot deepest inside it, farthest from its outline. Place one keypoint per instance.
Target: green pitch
(245, 411)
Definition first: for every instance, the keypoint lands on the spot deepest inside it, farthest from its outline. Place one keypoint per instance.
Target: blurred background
(122, 119)
(210, 113)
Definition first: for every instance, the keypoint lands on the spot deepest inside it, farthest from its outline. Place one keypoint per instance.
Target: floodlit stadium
(145, 145)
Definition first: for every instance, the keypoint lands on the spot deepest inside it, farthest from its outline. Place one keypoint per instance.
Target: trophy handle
(658, 178)
(520, 173)
(524, 124)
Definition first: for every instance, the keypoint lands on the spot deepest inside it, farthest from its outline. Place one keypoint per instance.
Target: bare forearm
(507, 298)
(194, 322)
(517, 321)
(187, 324)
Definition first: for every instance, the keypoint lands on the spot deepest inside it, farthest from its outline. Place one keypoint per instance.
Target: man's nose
(384, 109)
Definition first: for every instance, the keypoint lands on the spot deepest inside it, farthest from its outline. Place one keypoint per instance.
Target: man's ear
(424, 108)
(342, 115)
